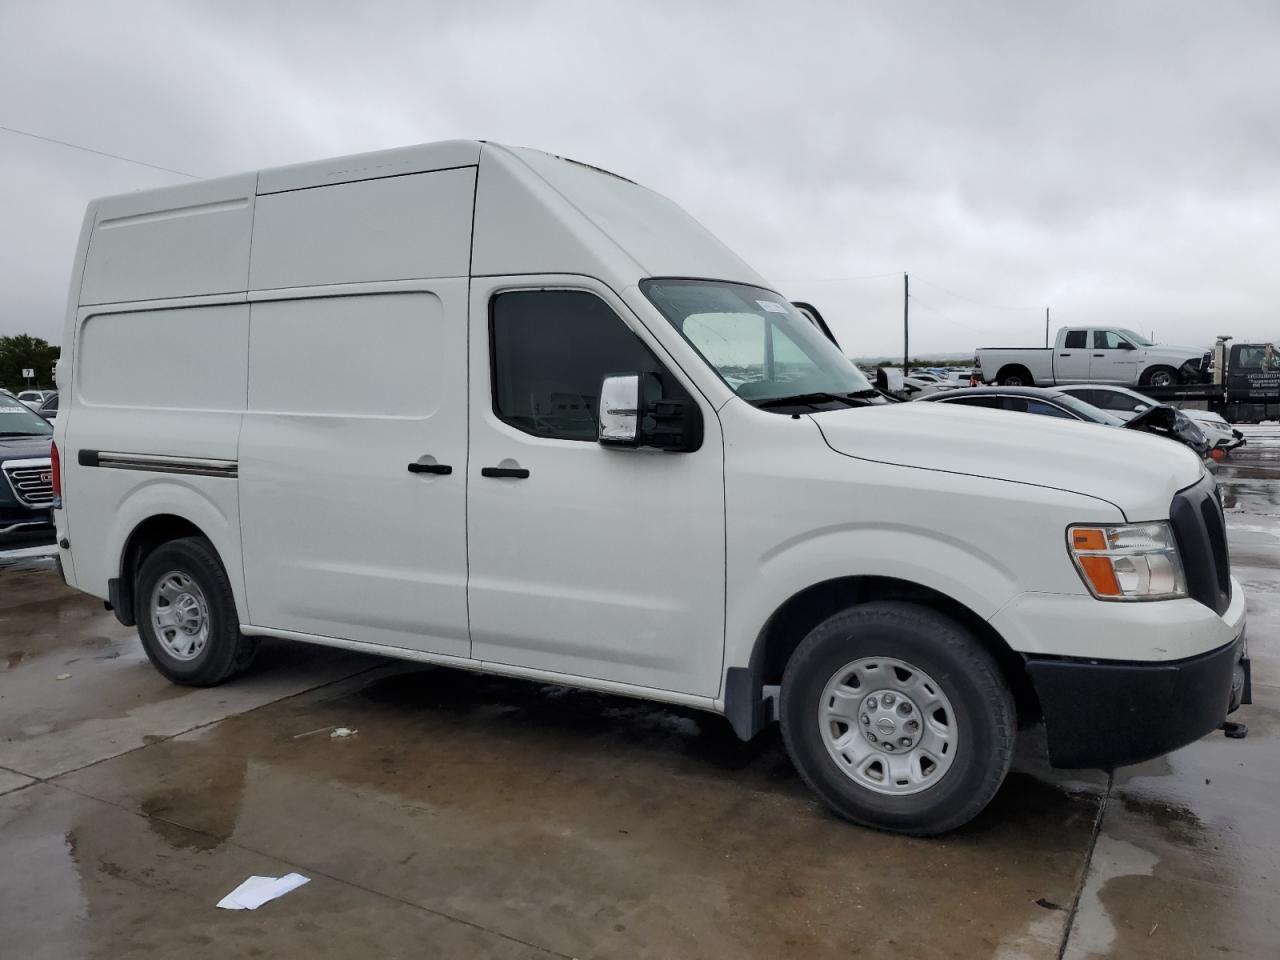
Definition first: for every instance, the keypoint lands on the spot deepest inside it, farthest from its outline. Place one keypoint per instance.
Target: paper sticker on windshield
(14, 410)
(771, 306)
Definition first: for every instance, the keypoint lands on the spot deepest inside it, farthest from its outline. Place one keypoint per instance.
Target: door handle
(516, 473)
(443, 469)
(1099, 354)
(1064, 354)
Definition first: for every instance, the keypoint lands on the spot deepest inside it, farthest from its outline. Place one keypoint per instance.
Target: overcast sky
(1117, 162)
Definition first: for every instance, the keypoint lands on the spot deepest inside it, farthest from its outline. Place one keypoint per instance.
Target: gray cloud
(1115, 161)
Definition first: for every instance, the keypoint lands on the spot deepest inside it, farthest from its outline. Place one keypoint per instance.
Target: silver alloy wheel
(1161, 378)
(888, 726)
(180, 615)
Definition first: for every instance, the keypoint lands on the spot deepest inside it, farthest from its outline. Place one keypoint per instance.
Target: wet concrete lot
(471, 816)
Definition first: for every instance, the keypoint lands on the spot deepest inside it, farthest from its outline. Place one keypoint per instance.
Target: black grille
(1201, 532)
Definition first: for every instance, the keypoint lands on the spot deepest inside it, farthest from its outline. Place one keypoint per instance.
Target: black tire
(968, 675)
(1152, 373)
(226, 651)
(1015, 377)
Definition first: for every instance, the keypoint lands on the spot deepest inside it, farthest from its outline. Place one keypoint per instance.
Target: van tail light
(55, 470)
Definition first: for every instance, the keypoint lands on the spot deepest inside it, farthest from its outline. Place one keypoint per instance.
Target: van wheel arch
(146, 537)
(745, 705)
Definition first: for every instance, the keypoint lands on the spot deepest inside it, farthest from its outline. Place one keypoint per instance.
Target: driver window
(551, 349)
(1107, 340)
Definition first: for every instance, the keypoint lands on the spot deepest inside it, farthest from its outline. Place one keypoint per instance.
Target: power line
(950, 319)
(100, 153)
(991, 306)
(919, 279)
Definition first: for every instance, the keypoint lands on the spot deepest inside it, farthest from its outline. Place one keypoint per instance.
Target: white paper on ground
(256, 891)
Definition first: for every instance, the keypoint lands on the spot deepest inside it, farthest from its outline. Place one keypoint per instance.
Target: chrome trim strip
(155, 463)
(32, 462)
(23, 524)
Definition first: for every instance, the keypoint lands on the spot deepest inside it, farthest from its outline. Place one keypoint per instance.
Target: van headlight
(1131, 561)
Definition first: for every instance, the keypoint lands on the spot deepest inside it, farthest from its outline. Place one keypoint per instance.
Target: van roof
(519, 211)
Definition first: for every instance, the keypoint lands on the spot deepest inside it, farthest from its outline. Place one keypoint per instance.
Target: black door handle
(441, 468)
(1099, 354)
(517, 473)
(1064, 354)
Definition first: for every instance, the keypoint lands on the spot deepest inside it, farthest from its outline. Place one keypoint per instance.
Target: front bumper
(1078, 626)
(1101, 713)
(24, 525)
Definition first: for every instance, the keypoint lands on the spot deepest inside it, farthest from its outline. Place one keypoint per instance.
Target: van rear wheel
(186, 615)
(898, 718)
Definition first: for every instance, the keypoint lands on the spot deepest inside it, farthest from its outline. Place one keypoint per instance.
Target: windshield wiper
(13, 433)
(813, 399)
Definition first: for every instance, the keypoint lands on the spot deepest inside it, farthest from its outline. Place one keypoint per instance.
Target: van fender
(211, 505)
(915, 557)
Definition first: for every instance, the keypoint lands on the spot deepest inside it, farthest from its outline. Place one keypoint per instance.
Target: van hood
(1138, 473)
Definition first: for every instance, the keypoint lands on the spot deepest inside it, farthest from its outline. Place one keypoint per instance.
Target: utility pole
(1046, 326)
(906, 340)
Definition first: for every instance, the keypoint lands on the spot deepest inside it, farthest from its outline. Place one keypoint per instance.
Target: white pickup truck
(1090, 355)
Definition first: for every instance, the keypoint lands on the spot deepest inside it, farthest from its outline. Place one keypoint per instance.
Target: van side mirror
(628, 418)
(620, 410)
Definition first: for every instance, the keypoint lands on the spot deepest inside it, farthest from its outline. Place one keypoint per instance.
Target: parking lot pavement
(477, 816)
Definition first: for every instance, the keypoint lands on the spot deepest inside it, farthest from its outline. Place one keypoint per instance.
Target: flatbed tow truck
(1239, 381)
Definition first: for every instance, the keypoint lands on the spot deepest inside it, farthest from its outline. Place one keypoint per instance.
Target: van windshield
(760, 345)
(17, 420)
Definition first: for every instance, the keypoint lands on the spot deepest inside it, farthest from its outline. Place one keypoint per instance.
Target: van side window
(550, 349)
(1076, 340)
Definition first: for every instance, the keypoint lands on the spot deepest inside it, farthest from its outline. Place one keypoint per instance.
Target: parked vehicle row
(49, 406)
(34, 398)
(579, 463)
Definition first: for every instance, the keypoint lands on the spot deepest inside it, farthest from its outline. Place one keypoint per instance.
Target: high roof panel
(539, 213)
(368, 166)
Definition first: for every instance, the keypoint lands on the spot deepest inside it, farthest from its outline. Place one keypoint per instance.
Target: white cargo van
(489, 408)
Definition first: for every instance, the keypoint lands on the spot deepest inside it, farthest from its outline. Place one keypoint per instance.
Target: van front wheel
(898, 718)
(186, 615)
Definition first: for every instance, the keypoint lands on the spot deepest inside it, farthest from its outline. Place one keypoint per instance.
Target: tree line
(25, 352)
